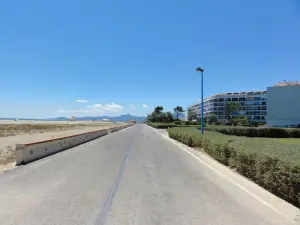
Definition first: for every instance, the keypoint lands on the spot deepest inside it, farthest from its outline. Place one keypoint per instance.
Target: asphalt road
(133, 176)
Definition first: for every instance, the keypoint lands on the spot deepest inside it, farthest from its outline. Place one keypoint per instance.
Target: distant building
(253, 106)
(186, 115)
(73, 118)
(131, 121)
(284, 104)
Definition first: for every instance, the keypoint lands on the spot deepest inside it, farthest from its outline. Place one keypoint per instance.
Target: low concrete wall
(29, 152)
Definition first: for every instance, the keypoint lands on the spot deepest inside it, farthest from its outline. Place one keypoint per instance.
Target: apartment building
(253, 106)
(284, 104)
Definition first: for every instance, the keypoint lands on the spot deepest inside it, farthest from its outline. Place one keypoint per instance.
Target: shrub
(240, 121)
(177, 122)
(196, 123)
(188, 123)
(271, 132)
(212, 119)
(218, 123)
(166, 125)
(162, 125)
(273, 174)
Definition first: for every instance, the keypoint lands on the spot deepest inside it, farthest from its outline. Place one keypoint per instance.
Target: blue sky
(121, 55)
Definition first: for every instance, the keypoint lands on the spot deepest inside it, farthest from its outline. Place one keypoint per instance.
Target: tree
(240, 121)
(178, 110)
(230, 108)
(158, 116)
(170, 117)
(158, 109)
(212, 119)
(163, 117)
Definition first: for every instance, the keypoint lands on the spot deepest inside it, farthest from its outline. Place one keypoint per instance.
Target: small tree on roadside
(230, 108)
(212, 119)
(178, 110)
(159, 116)
(170, 117)
(163, 117)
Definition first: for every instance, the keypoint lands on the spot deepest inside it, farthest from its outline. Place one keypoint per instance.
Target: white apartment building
(253, 106)
(284, 104)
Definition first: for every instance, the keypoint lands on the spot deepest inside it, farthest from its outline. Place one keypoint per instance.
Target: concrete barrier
(114, 129)
(26, 153)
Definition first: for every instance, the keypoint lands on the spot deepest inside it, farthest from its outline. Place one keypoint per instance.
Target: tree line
(167, 117)
(164, 117)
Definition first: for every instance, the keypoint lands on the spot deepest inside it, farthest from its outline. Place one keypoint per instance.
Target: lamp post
(199, 69)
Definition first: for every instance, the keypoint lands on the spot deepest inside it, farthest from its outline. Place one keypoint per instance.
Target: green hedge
(169, 125)
(273, 174)
(162, 125)
(271, 132)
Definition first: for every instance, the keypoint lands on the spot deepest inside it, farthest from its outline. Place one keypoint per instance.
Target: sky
(95, 57)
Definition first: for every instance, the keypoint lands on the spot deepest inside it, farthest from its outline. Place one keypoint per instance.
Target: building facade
(253, 106)
(284, 104)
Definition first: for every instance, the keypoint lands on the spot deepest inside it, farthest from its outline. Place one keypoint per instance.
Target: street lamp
(199, 69)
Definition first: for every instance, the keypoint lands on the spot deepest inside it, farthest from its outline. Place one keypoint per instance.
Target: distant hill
(121, 118)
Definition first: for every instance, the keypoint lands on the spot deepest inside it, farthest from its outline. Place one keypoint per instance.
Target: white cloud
(131, 106)
(81, 101)
(145, 106)
(95, 108)
(113, 107)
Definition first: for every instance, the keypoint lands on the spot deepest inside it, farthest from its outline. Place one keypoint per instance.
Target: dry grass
(17, 129)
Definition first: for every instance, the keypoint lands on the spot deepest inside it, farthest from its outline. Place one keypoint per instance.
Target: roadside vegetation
(270, 132)
(272, 163)
(163, 120)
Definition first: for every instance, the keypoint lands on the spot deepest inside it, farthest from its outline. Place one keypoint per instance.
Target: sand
(22, 133)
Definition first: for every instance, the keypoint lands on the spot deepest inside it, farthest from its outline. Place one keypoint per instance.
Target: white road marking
(224, 176)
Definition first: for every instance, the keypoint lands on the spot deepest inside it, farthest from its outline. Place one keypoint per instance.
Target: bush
(188, 123)
(273, 174)
(218, 123)
(271, 132)
(166, 125)
(196, 123)
(162, 125)
(240, 121)
(177, 122)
